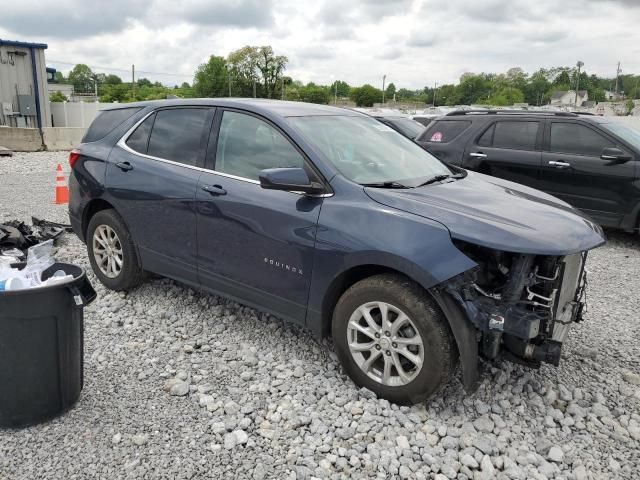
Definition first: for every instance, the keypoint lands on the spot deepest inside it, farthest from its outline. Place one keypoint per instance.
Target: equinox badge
(283, 266)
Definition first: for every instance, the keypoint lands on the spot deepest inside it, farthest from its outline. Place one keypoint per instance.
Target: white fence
(75, 114)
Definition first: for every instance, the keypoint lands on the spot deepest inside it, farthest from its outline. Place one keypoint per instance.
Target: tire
(108, 225)
(398, 295)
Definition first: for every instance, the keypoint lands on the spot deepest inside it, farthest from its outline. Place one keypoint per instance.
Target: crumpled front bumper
(532, 325)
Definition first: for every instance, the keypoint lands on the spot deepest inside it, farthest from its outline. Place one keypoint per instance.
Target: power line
(125, 70)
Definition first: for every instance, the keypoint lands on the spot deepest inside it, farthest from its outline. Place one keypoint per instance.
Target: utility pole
(133, 81)
(579, 65)
(618, 72)
(384, 77)
(335, 93)
(282, 87)
(435, 92)
(229, 84)
(254, 88)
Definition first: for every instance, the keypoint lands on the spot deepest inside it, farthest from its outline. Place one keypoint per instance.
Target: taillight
(74, 155)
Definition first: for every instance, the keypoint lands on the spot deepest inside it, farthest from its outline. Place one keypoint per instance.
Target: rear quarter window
(106, 121)
(423, 120)
(443, 131)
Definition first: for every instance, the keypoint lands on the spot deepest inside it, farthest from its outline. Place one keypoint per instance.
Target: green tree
(340, 87)
(81, 77)
(57, 97)
(366, 95)
(390, 91)
(58, 77)
(630, 106)
(257, 70)
(144, 82)
(536, 88)
(506, 96)
(446, 95)
(314, 94)
(271, 67)
(516, 78)
(112, 79)
(473, 88)
(244, 75)
(212, 78)
(562, 79)
(405, 94)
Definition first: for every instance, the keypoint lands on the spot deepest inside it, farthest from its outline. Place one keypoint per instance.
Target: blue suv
(331, 220)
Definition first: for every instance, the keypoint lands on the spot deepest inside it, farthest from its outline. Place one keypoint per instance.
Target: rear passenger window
(177, 134)
(247, 145)
(515, 135)
(139, 139)
(443, 131)
(578, 139)
(106, 121)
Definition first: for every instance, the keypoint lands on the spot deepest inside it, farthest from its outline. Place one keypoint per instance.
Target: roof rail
(511, 112)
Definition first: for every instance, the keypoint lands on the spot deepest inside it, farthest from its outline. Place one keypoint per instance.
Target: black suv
(588, 161)
(402, 124)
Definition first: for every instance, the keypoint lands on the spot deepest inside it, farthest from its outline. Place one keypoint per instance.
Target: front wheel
(393, 339)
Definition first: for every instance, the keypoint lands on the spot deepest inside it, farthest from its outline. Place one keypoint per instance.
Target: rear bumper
(76, 225)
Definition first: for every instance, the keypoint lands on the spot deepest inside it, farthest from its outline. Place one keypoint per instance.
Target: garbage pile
(35, 243)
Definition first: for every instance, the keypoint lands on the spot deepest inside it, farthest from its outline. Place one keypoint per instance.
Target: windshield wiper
(439, 178)
(384, 185)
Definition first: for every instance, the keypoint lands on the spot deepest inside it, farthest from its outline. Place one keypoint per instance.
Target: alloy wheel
(107, 251)
(385, 343)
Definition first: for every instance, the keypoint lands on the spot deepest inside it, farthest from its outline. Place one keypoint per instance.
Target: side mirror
(615, 155)
(289, 179)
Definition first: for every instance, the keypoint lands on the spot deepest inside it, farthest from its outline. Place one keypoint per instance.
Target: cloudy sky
(413, 42)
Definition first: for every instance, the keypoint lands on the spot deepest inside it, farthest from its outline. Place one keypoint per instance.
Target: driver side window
(247, 145)
(577, 139)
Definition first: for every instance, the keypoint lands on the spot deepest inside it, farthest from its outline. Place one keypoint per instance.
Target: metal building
(24, 99)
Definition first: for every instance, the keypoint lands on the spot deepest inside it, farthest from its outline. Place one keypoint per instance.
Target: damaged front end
(520, 304)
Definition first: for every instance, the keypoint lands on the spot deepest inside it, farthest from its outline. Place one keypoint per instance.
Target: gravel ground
(180, 384)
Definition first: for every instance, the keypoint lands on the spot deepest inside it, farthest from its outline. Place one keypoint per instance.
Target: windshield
(407, 127)
(367, 151)
(628, 134)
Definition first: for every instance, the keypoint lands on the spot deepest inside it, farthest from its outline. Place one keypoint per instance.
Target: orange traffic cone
(62, 191)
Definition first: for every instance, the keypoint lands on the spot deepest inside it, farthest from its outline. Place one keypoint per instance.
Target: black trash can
(42, 348)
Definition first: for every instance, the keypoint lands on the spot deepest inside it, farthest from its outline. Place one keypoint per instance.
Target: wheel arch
(99, 205)
(463, 330)
(341, 284)
(93, 207)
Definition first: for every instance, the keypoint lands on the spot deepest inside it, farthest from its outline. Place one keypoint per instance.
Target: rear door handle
(478, 155)
(214, 190)
(124, 166)
(559, 164)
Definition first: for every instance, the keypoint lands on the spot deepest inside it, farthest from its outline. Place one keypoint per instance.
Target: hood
(498, 214)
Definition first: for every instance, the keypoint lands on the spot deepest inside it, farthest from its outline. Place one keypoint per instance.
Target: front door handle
(124, 166)
(214, 190)
(478, 155)
(559, 164)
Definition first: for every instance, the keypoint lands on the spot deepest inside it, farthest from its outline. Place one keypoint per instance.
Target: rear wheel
(392, 338)
(112, 253)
